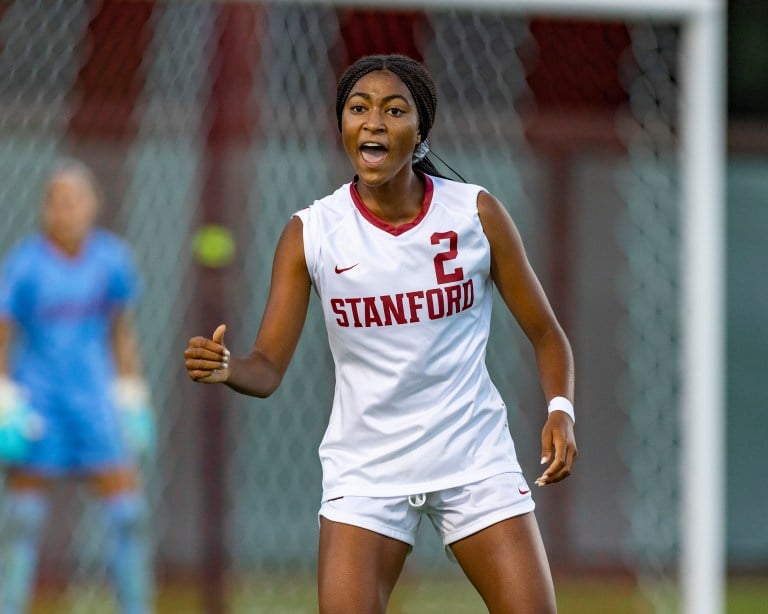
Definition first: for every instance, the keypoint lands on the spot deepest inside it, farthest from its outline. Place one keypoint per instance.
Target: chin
(371, 177)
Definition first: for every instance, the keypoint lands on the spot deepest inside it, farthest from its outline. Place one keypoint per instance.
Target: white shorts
(455, 512)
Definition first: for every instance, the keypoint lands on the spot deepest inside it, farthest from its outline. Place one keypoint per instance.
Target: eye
(395, 112)
(357, 108)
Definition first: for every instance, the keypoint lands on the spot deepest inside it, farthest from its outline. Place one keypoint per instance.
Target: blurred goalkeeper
(72, 402)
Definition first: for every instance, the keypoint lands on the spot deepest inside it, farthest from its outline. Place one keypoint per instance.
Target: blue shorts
(81, 434)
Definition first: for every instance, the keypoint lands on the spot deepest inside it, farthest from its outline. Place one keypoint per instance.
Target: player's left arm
(130, 390)
(524, 296)
(125, 347)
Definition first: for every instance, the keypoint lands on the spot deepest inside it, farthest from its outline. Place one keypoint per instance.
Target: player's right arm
(5, 342)
(10, 276)
(260, 372)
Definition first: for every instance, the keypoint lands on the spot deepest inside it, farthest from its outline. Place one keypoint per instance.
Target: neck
(66, 246)
(398, 201)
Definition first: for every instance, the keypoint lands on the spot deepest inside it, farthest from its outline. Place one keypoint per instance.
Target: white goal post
(702, 22)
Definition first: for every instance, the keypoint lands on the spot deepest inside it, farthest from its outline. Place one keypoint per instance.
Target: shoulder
(456, 195)
(326, 213)
(106, 239)
(498, 225)
(112, 250)
(107, 244)
(25, 252)
(333, 204)
(490, 209)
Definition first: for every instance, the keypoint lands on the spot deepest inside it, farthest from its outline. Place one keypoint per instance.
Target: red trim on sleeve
(386, 226)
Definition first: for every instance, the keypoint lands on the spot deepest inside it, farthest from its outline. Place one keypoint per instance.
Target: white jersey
(408, 312)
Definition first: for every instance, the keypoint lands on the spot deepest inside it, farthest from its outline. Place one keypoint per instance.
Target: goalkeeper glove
(137, 420)
(20, 425)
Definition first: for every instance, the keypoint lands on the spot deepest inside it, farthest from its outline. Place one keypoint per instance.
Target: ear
(418, 138)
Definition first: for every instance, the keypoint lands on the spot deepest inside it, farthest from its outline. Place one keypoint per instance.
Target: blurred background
(216, 113)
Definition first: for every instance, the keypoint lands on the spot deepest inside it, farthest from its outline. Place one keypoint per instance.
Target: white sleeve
(309, 222)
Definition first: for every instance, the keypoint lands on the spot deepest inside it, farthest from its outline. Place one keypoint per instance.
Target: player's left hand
(558, 448)
(137, 419)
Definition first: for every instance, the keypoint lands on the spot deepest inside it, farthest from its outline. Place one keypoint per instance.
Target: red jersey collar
(386, 226)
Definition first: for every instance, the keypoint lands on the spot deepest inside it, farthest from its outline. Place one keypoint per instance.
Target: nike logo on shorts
(340, 270)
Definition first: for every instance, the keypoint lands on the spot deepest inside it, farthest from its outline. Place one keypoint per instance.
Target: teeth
(373, 155)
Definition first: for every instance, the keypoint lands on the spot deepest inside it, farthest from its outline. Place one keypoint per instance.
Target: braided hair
(419, 84)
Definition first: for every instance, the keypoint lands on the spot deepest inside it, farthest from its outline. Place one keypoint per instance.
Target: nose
(374, 121)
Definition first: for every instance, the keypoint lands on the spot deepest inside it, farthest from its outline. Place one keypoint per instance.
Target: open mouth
(372, 153)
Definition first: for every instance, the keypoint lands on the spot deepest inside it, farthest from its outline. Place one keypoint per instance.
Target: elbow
(552, 336)
(272, 380)
(254, 375)
(262, 390)
(269, 387)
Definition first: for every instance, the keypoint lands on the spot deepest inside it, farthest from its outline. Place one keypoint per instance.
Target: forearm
(5, 342)
(125, 347)
(254, 375)
(554, 360)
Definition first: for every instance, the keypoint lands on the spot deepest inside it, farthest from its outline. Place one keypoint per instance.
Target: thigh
(19, 479)
(107, 483)
(48, 452)
(95, 437)
(357, 568)
(508, 566)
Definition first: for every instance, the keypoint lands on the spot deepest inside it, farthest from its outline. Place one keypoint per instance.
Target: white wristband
(562, 404)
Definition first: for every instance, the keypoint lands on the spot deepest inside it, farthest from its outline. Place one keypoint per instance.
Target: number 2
(440, 259)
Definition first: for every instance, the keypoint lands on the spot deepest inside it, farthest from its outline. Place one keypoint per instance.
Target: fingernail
(543, 459)
(226, 353)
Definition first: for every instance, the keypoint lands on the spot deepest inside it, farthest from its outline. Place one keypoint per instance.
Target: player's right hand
(207, 360)
(20, 425)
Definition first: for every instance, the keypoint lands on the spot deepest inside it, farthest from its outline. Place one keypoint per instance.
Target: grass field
(412, 596)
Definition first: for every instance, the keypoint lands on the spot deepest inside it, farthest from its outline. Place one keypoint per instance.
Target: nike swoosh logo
(523, 492)
(339, 270)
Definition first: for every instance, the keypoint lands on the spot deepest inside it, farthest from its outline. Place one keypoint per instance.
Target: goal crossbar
(644, 9)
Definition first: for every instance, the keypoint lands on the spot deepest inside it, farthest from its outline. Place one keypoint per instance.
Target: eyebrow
(385, 99)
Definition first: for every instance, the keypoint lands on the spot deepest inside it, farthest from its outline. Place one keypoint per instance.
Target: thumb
(218, 334)
(546, 446)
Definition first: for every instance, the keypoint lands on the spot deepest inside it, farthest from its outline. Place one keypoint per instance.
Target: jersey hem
(404, 490)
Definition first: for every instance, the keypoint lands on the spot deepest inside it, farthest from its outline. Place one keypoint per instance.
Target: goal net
(195, 113)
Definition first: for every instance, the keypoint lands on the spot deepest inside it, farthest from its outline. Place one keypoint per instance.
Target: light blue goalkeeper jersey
(61, 309)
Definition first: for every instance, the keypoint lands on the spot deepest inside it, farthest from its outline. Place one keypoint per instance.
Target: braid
(415, 77)
(425, 166)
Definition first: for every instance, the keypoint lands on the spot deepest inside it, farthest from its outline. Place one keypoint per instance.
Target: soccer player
(405, 262)
(68, 353)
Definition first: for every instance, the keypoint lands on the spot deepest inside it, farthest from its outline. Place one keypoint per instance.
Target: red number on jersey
(453, 242)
